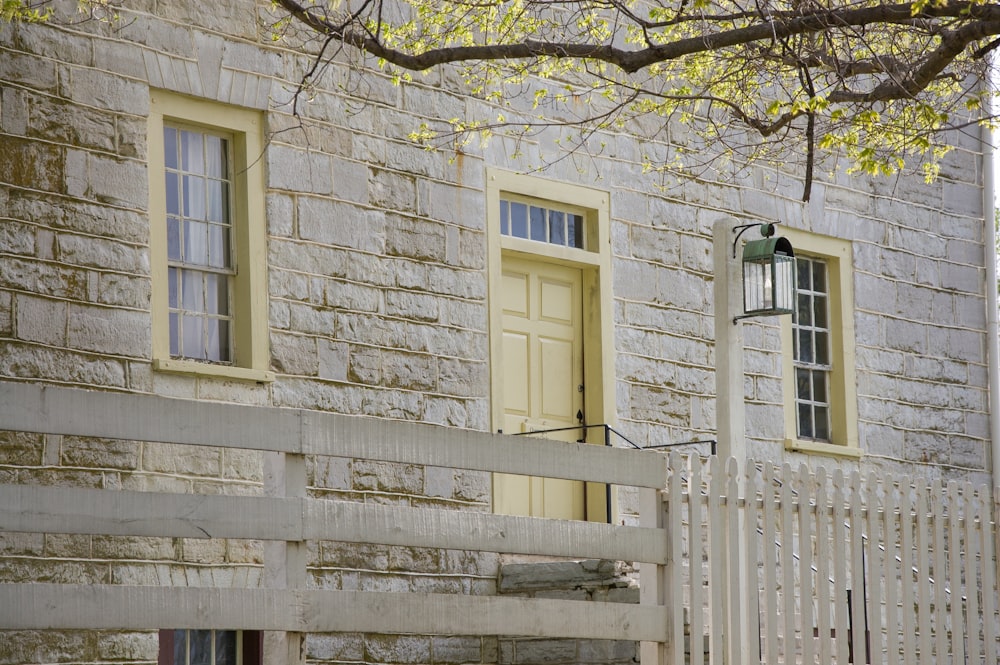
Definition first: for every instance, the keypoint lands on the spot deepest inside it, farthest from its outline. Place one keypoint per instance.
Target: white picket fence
(764, 566)
(809, 568)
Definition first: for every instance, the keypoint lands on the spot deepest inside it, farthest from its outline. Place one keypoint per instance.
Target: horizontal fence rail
(763, 565)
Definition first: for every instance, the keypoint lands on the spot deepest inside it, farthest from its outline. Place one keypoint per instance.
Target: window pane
(225, 647)
(218, 246)
(174, 239)
(805, 422)
(216, 294)
(803, 385)
(180, 647)
(822, 424)
(518, 220)
(170, 147)
(805, 347)
(192, 152)
(802, 267)
(819, 276)
(822, 348)
(175, 334)
(217, 193)
(196, 243)
(819, 312)
(194, 197)
(538, 230)
(557, 227)
(201, 647)
(575, 231)
(173, 194)
(804, 313)
(192, 296)
(819, 386)
(192, 343)
(172, 278)
(215, 148)
(213, 345)
(504, 218)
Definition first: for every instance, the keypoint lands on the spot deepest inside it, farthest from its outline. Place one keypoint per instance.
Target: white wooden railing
(738, 567)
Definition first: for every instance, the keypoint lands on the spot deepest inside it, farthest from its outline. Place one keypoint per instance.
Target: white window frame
(250, 354)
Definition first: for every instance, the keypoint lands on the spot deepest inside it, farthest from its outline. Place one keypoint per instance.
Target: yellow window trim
(843, 386)
(595, 262)
(251, 353)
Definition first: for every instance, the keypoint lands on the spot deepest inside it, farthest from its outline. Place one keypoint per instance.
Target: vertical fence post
(284, 562)
(652, 576)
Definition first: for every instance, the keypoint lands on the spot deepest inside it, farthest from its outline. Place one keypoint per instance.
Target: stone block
(397, 648)
(299, 171)
(335, 647)
(456, 650)
(128, 646)
(100, 453)
(109, 330)
(351, 181)
(336, 223)
(47, 646)
(73, 546)
(181, 459)
(294, 354)
(521, 577)
(387, 477)
(43, 363)
(31, 164)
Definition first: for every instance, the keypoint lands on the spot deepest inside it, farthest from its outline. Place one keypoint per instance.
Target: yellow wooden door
(542, 378)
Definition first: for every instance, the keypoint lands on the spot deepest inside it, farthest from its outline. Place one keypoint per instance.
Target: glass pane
(201, 647)
(173, 196)
(170, 147)
(218, 246)
(805, 347)
(518, 220)
(576, 231)
(217, 201)
(194, 197)
(822, 348)
(225, 647)
(196, 243)
(822, 424)
(174, 239)
(803, 385)
(819, 276)
(504, 218)
(180, 647)
(557, 227)
(805, 421)
(225, 352)
(192, 297)
(192, 157)
(819, 386)
(172, 287)
(216, 294)
(802, 268)
(213, 347)
(191, 344)
(803, 315)
(215, 149)
(819, 311)
(175, 335)
(538, 230)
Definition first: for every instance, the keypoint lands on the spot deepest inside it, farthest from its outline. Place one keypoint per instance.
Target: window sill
(193, 368)
(817, 448)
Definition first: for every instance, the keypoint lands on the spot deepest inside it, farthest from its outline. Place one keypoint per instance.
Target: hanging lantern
(768, 275)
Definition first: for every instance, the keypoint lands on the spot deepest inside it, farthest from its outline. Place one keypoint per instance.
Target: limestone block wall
(377, 295)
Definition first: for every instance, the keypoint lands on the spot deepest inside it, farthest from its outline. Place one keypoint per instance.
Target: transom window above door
(520, 219)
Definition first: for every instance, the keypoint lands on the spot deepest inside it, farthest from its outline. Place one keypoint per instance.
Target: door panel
(542, 378)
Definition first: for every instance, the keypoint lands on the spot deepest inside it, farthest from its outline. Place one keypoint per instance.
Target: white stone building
(167, 227)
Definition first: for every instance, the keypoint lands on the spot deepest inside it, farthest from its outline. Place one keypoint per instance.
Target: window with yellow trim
(207, 238)
(818, 341)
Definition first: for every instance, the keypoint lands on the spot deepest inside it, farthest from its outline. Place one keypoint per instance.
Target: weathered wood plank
(37, 509)
(55, 410)
(102, 607)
